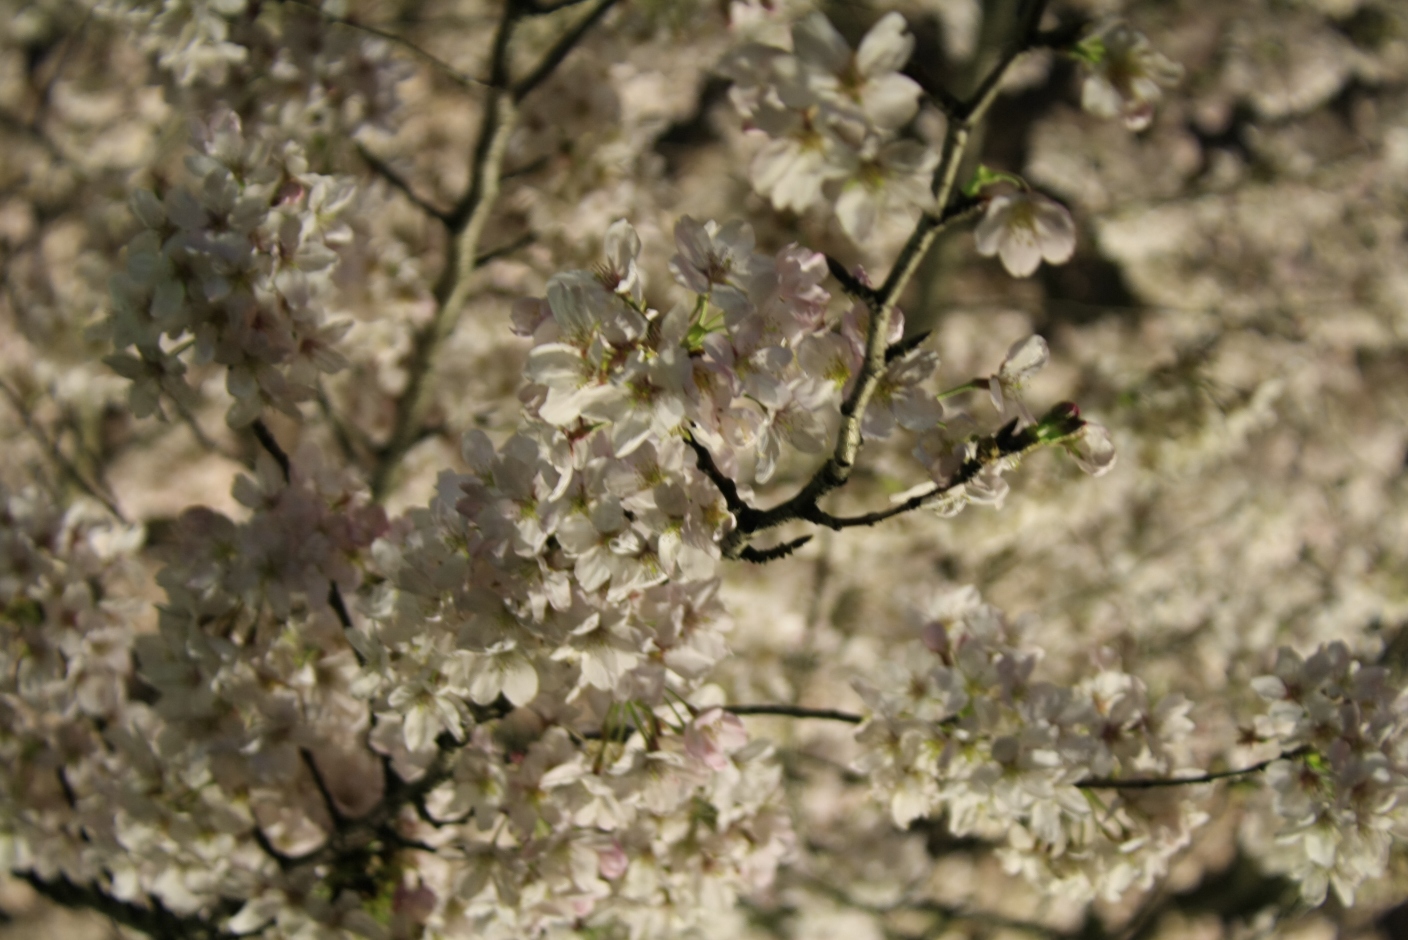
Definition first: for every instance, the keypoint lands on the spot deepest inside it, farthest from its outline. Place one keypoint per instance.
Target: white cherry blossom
(1023, 229)
(1127, 77)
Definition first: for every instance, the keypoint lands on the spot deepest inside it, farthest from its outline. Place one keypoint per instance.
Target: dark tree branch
(905, 346)
(952, 205)
(726, 486)
(270, 444)
(383, 169)
(796, 711)
(539, 8)
(51, 447)
(456, 76)
(849, 282)
(760, 556)
(156, 921)
(285, 861)
(329, 803)
(555, 56)
(503, 251)
(1149, 783)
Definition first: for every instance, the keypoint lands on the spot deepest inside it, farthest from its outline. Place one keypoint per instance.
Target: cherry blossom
(1127, 76)
(555, 581)
(1024, 229)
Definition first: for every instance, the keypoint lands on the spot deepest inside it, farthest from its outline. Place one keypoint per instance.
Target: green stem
(970, 386)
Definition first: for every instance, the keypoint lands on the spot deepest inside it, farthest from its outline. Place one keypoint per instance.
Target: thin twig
(57, 455)
(503, 251)
(796, 711)
(760, 556)
(285, 861)
(344, 617)
(329, 802)
(270, 443)
(905, 346)
(538, 8)
(398, 182)
(466, 221)
(454, 74)
(1149, 783)
(849, 282)
(555, 56)
(725, 485)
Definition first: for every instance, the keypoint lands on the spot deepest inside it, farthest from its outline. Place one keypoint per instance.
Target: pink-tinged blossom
(1025, 359)
(717, 261)
(800, 301)
(1127, 78)
(1093, 449)
(713, 736)
(587, 314)
(612, 861)
(946, 452)
(1024, 229)
(831, 116)
(801, 415)
(901, 399)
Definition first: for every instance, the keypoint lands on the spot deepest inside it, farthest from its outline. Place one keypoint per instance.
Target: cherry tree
(611, 467)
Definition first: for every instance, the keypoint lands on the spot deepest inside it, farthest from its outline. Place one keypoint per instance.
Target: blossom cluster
(958, 724)
(1340, 787)
(496, 715)
(258, 745)
(295, 74)
(244, 688)
(833, 117)
(233, 270)
(748, 363)
(65, 670)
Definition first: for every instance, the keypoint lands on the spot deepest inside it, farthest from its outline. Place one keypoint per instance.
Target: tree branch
(156, 921)
(796, 711)
(467, 221)
(445, 68)
(760, 556)
(1149, 783)
(398, 182)
(55, 454)
(266, 439)
(952, 205)
(555, 56)
(851, 284)
(329, 803)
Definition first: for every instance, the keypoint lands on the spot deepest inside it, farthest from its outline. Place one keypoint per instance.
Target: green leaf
(23, 612)
(1090, 50)
(986, 176)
